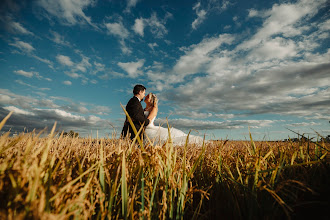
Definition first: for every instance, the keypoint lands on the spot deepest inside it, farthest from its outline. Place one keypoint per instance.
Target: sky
(219, 68)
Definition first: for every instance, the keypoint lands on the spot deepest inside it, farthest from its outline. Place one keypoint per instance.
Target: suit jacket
(135, 111)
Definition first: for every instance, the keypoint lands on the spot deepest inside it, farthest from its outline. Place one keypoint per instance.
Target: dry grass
(58, 177)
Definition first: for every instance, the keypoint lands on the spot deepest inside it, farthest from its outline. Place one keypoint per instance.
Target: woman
(159, 135)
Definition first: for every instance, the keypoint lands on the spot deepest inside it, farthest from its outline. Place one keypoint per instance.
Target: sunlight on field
(59, 177)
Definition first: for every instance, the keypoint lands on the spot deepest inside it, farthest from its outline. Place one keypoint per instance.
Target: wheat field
(51, 176)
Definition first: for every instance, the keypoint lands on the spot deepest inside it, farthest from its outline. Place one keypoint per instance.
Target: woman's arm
(153, 112)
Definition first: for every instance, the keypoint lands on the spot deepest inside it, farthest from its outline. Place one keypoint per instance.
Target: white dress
(159, 135)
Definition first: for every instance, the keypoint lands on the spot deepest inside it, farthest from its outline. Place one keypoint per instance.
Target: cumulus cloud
(43, 112)
(253, 13)
(283, 19)
(65, 121)
(117, 29)
(16, 110)
(197, 56)
(132, 68)
(64, 60)
(272, 72)
(139, 26)
(68, 83)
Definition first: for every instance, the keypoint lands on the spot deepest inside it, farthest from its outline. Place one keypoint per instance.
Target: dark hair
(138, 88)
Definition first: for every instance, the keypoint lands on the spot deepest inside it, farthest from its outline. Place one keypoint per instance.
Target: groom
(135, 111)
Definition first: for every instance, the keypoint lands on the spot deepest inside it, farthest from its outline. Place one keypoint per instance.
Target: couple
(157, 135)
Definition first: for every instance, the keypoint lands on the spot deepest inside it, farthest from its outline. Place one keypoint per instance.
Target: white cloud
(59, 39)
(152, 45)
(300, 124)
(64, 60)
(132, 68)
(8, 22)
(83, 65)
(73, 74)
(69, 12)
(117, 29)
(198, 55)
(208, 7)
(68, 115)
(28, 49)
(18, 111)
(23, 46)
(272, 72)
(68, 83)
(277, 48)
(281, 19)
(253, 13)
(192, 114)
(44, 112)
(156, 26)
(224, 116)
(50, 63)
(130, 4)
(99, 67)
(139, 26)
(31, 74)
(31, 86)
(24, 73)
(201, 16)
(213, 125)
(18, 28)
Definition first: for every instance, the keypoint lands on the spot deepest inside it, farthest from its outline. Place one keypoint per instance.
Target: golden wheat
(57, 177)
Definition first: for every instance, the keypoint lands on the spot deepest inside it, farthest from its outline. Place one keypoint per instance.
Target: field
(59, 177)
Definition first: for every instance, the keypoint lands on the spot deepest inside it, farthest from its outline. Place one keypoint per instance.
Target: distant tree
(71, 134)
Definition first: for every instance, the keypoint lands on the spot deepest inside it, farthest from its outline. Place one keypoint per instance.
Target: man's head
(139, 91)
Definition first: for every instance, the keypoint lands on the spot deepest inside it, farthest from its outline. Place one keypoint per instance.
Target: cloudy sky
(220, 67)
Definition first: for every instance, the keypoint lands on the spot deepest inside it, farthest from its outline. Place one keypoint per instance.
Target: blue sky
(219, 67)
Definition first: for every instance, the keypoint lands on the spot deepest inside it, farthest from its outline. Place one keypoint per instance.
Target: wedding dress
(159, 135)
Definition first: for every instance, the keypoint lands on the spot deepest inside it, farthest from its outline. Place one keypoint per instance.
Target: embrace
(146, 117)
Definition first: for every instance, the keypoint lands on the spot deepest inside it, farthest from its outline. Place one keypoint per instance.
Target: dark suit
(135, 111)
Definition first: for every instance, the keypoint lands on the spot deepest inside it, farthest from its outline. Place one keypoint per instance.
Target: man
(135, 111)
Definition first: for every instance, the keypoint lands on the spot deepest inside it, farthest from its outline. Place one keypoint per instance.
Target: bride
(158, 134)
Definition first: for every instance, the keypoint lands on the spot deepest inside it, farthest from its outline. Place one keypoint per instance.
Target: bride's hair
(153, 99)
